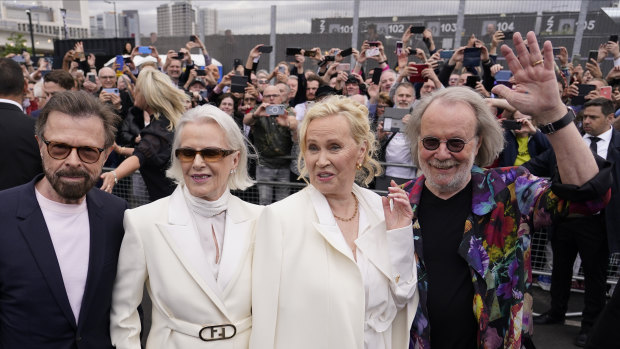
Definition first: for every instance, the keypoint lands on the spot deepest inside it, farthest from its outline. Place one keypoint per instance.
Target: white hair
(236, 141)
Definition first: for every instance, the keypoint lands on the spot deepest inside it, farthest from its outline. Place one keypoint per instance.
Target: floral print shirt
(506, 204)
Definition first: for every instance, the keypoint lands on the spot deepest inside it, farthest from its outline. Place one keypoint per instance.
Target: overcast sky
(252, 17)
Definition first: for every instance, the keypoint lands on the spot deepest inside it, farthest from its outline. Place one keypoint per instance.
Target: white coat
(308, 291)
(162, 248)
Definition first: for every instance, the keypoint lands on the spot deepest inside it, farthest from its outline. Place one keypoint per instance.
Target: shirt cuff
(401, 249)
(617, 62)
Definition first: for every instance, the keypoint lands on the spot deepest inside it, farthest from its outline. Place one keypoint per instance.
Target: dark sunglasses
(61, 151)
(207, 154)
(454, 145)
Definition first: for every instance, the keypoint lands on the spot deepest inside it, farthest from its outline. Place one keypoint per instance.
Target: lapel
(613, 151)
(96, 222)
(326, 225)
(34, 230)
(237, 242)
(183, 240)
(373, 241)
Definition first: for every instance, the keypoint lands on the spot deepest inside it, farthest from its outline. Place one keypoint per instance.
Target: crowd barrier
(134, 191)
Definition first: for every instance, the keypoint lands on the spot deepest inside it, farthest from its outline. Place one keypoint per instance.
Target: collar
(10, 101)
(605, 136)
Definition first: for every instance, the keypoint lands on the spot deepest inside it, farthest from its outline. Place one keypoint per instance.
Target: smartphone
(204, 94)
(373, 43)
(329, 58)
(503, 75)
(238, 83)
(127, 60)
(347, 52)
(576, 60)
(417, 29)
(508, 35)
(417, 77)
(201, 72)
(120, 62)
(592, 55)
(282, 69)
(193, 38)
(111, 90)
(265, 49)
(19, 59)
(376, 76)
(291, 51)
(45, 72)
(584, 89)
(613, 38)
(556, 51)
(180, 55)
(399, 48)
(343, 67)
(236, 63)
(308, 53)
(275, 109)
(393, 119)
(446, 54)
(605, 92)
(471, 57)
(472, 80)
(511, 125)
(92, 78)
(372, 51)
(144, 50)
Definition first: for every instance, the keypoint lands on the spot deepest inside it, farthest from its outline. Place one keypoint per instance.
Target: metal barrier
(133, 190)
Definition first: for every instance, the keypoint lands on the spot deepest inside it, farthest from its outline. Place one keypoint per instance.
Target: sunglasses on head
(207, 154)
(454, 145)
(61, 151)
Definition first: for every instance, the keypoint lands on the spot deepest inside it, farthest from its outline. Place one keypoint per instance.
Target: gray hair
(236, 141)
(488, 130)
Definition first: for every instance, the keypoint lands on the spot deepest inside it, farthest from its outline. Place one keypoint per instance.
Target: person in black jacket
(165, 104)
(19, 155)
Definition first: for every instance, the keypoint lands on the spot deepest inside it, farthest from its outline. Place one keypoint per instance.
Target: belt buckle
(217, 332)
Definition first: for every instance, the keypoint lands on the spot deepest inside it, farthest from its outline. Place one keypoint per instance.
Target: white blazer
(162, 248)
(308, 291)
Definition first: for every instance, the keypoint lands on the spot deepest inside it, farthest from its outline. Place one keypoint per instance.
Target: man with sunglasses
(472, 227)
(60, 236)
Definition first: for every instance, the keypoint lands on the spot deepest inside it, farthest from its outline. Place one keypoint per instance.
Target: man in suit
(19, 154)
(60, 237)
(57, 80)
(593, 237)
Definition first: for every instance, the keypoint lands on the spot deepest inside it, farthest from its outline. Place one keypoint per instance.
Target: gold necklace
(354, 213)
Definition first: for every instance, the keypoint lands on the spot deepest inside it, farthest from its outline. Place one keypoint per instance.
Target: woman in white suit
(333, 263)
(194, 248)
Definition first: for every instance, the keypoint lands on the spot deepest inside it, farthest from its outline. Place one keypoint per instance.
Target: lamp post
(115, 16)
(31, 31)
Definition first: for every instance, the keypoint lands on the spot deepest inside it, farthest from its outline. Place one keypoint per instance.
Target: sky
(252, 17)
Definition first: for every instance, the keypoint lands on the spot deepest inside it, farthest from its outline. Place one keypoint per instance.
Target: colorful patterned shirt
(506, 204)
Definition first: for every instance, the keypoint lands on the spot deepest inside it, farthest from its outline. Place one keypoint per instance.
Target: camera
(275, 109)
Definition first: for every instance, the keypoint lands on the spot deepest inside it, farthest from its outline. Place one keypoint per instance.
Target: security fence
(133, 190)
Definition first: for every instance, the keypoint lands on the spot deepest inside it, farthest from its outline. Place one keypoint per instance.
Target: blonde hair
(235, 139)
(357, 117)
(488, 130)
(162, 96)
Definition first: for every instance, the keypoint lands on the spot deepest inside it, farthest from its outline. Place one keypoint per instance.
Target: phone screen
(471, 57)
(376, 76)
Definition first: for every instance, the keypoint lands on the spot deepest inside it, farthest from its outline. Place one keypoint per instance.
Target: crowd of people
(446, 133)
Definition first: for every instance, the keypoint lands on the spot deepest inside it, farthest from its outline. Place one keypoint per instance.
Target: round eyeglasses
(454, 145)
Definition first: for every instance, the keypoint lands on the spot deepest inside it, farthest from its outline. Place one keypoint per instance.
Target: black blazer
(34, 308)
(545, 165)
(20, 160)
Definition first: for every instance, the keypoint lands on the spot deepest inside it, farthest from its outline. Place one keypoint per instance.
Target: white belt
(209, 332)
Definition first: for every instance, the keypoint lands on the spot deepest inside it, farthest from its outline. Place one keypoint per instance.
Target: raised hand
(536, 93)
(400, 214)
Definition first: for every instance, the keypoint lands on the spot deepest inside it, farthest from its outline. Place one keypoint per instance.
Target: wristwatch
(551, 128)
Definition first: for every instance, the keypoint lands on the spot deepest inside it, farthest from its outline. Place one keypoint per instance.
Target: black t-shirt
(450, 287)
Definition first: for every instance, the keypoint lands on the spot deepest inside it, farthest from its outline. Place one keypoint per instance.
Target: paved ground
(545, 337)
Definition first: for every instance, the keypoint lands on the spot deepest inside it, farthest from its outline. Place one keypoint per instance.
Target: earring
(233, 171)
(358, 166)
